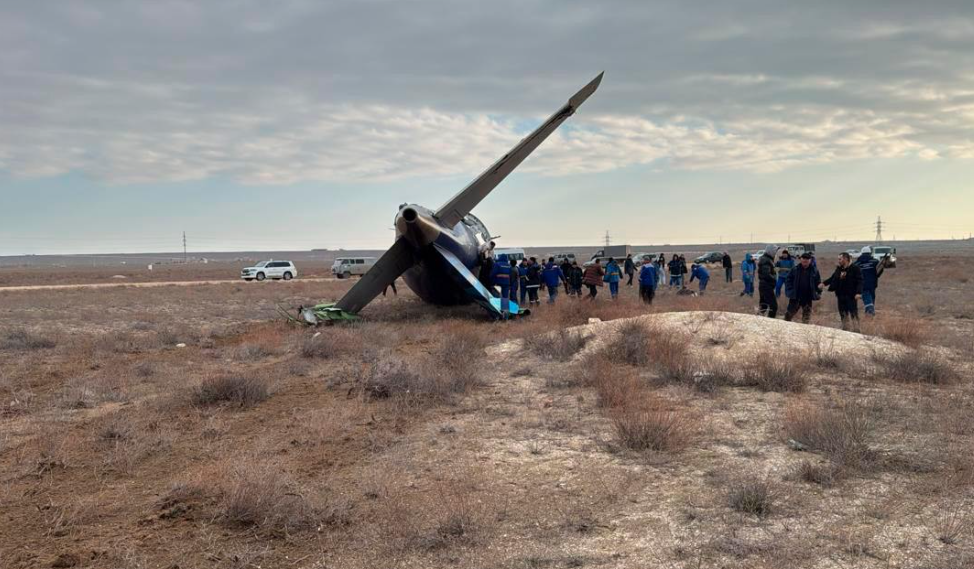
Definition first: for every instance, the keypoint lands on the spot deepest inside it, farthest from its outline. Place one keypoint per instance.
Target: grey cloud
(306, 90)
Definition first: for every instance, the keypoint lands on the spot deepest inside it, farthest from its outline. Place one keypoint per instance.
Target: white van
(345, 267)
(515, 253)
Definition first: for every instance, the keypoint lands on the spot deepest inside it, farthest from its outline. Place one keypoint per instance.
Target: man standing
(801, 288)
(784, 264)
(534, 281)
(647, 282)
(676, 273)
(846, 283)
(566, 269)
(575, 279)
(500, 276)
(612, 276)
(871, 269)
(522, 274)
(747, 275)
(592, 278)
(553, 278)
(728, 265)
(701, 274)
(766, 282)
(630, 268)
(487, 263)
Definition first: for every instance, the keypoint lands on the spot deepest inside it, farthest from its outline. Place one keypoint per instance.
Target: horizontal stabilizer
(474, 289)
(394, 262)
(461, 204)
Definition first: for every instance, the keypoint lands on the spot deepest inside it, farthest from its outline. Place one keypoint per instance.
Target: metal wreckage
(437, 252)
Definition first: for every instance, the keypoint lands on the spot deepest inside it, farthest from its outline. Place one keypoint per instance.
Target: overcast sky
(303, 123)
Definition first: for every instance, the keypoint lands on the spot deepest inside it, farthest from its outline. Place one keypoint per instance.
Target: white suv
(270, 270)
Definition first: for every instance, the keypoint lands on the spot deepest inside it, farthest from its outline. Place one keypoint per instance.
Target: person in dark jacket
(553, 278)
(592, 278)
(522, 273)
(574, 277)
(566, 269)
(766, 281)
(801, 285)
(702, 275)
(846, 283)
(501, 276)
(784, 264)
(728, 265)
(648, 282)
(533, 281)
(487, 264)
(630, 269)
(871, 270)
(515, 279)
(676, 273)
(683, 271)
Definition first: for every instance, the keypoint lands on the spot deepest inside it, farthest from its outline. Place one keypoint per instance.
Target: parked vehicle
(643, 257)
(886, 254)
(796, 249)
(345, 267)
(515, 253)
(616, 251)
(711, 257)
(564, 255)
(270, 270)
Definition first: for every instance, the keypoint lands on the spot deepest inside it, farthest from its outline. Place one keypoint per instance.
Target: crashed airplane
(438, 252)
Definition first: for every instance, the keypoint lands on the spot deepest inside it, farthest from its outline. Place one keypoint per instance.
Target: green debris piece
(320, 314)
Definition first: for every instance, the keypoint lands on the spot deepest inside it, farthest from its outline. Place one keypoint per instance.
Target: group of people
(774, 272)
(802, 283)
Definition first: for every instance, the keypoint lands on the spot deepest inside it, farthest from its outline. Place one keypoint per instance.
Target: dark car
(711, 257)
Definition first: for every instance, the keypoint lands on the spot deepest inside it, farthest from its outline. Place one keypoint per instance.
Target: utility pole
(184, 247)
(879, 229)
(607, 239)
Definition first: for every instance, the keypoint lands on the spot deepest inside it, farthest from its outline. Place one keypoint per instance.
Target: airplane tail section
(461, 204)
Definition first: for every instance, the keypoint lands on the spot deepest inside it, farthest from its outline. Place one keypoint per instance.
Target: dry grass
(652, 425)
(22, 339)
(753, 496)
(843, 431)
(232, 390)
(557, 346)
(261, 496)
(917, 367)
(909, 331)
(777, 373)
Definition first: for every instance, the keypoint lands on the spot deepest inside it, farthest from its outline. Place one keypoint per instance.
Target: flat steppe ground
(192, 427)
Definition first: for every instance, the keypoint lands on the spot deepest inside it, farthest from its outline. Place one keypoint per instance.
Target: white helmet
(866, 249)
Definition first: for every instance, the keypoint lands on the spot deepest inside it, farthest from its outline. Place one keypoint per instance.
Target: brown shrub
(650, 425)
(616, 387)
(557, 346)
(251, 352)
(843, 432)
(22, 339)
(631, 344)
(823, 474)
(910, 331)
(917, 367)
(752, 496)
(234, 390)
(769, 372)
(263, 497)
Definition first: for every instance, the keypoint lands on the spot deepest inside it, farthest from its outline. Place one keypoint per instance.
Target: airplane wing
(472, 286)
(394, 262)
(461, 204)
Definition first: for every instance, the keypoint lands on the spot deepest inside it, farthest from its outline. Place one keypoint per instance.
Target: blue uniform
(501, 275)
(553, 277)
(747, 274)
(784, 266)
(613, 274)
(869, 267)
(702, 275)
(648, 276)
